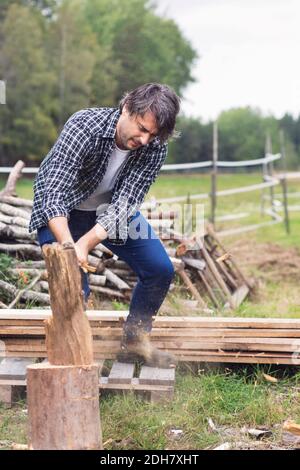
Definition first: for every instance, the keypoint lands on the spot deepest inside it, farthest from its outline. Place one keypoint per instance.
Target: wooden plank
(239, 295)
(242, 360)
(199, 356)
(134, 385)
(224, 322)
(43, 314)
(14, 368)
(6, 395)
(5, 382)
(156, 376)
(121, 373)
(203, 322)
(196, 333)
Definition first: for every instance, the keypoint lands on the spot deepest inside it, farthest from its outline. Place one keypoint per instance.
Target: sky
(249, 54)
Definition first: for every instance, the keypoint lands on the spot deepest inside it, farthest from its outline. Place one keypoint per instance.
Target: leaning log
(10, 187)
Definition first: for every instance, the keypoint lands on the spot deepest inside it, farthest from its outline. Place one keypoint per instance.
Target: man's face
(134, 131)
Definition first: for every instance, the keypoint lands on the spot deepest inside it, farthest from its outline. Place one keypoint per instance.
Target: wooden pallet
(12, 377)
(155, 383)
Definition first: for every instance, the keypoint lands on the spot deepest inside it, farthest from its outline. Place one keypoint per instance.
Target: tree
(72, 50)
(23, 66)
(194, 143)
(142, 46)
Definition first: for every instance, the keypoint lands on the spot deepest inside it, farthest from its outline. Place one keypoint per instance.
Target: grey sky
(249, 54)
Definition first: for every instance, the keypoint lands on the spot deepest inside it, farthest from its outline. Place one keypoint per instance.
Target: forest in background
(59, 56)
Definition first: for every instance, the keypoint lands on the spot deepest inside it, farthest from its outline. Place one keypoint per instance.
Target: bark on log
(63, 407)
(15, 232)
(17, 201)
(107, 291)
(32, 251)
(30, 271)
(9, 220)
(104, 249)
(97, 253)
(30, 265)
(115, 280)
(13, 211)
(97, 263)
(68, 333)
(43, 299)
(44, 286)
(97, 280)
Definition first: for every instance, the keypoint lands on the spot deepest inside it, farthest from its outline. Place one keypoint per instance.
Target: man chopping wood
(89, 189)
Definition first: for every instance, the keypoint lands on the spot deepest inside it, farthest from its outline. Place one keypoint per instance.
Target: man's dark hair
(161, 100)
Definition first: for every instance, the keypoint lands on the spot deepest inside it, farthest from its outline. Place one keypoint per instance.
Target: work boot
(137, 346)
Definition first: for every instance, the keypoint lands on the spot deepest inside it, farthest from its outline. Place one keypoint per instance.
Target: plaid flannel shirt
(76, 164)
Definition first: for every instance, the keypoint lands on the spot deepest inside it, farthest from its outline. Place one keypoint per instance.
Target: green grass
(232, 397)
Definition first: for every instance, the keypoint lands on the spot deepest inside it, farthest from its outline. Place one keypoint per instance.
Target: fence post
(270, 171)
(284, 184)
(213, 193)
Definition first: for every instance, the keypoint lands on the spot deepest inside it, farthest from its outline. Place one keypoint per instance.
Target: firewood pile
(204, 268)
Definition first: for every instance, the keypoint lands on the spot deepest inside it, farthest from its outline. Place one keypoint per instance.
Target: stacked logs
(204, 268)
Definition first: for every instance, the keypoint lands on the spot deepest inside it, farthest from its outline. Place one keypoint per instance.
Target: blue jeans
(146, 256)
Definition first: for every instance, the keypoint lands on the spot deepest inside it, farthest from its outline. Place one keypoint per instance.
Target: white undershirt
(100, 198)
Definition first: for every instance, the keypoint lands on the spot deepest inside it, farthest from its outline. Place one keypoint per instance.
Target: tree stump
(63, 395)
(63, 406)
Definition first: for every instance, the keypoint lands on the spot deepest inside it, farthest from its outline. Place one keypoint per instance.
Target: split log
(68, 327)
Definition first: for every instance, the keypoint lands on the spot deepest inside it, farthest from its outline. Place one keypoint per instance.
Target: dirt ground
(267, 260)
